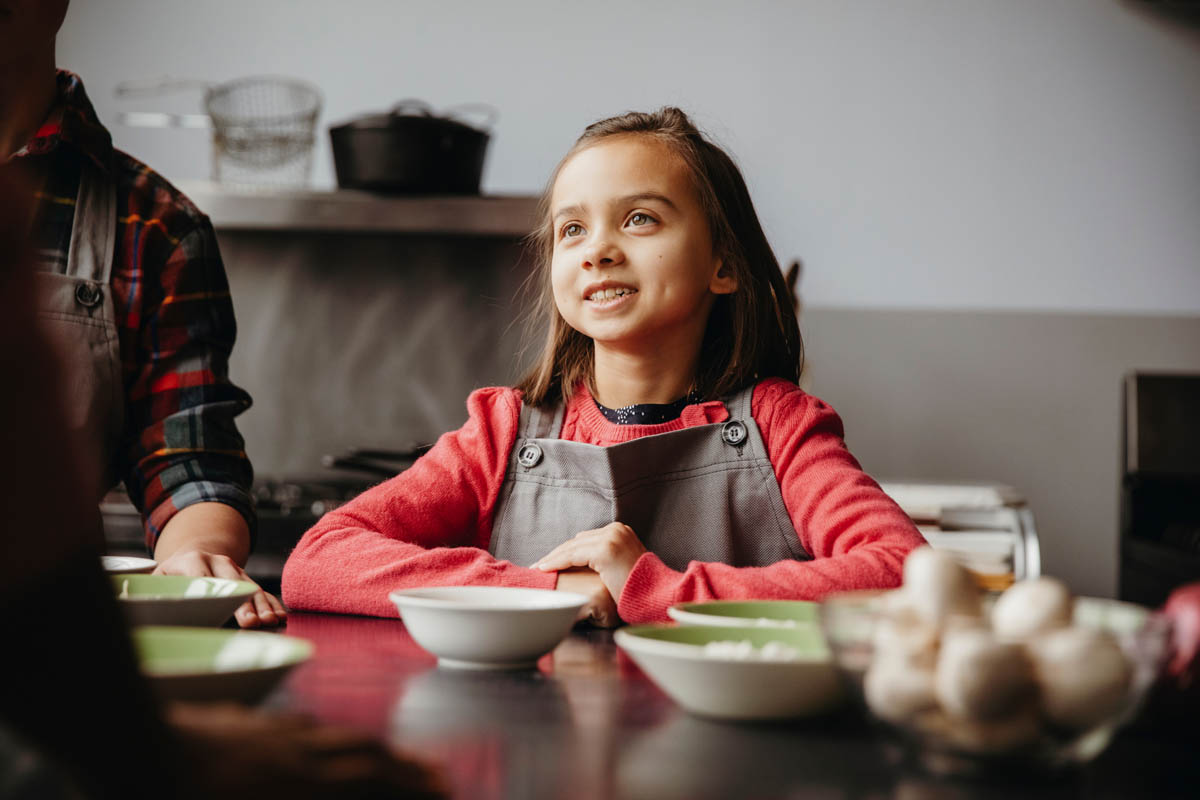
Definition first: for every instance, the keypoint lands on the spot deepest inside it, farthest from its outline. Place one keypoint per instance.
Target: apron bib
(705, 493)
(75, 309)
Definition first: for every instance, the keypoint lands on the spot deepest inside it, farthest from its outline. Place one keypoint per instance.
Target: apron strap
(739, 403)
(93, 234)
(538, 424)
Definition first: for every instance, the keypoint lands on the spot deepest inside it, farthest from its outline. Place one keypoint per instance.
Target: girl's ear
(723, 280)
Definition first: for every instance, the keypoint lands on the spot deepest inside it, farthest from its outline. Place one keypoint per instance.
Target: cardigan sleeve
(428, 526)
(857, 536)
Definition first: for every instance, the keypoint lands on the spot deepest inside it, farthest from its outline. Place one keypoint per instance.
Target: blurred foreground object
(97, 729)
(1183, 608)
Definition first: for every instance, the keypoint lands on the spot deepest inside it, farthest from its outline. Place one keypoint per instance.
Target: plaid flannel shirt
(174, 316)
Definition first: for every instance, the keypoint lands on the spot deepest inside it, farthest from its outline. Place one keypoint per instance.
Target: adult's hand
(212, 539)
(263, 609)
(600, 609)
(610, 552)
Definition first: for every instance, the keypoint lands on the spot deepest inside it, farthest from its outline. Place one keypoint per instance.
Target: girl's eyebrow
(629, 199)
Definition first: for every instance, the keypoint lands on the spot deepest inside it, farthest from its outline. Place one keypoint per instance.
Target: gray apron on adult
(75, 309)
(705, 493)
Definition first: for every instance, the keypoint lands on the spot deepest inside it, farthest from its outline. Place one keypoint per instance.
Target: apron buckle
(88, 294)
(734, 433)
(530, 455)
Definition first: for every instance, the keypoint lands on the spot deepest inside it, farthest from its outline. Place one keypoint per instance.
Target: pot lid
(406, 112)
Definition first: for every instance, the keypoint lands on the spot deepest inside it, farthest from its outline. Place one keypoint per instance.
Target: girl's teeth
(609, 294)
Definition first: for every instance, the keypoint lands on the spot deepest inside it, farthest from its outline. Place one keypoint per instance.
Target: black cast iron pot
(410, 150)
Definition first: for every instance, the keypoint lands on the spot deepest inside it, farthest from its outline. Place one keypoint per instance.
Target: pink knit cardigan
(430, 525)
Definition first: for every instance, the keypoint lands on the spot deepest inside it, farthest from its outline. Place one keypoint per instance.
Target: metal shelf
(360, 212)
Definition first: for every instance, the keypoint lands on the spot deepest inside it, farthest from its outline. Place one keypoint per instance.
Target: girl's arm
(427, 526)
(857, 535)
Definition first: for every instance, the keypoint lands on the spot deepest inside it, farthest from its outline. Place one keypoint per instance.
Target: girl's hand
(600, 609)
(262, 609)
(610, 551)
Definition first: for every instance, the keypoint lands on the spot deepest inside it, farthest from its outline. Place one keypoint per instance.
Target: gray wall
(997, 203)
(1008, 154)
(1028, 399)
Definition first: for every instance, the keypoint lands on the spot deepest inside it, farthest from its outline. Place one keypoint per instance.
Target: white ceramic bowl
(745, 686)
(487, 627)
(204, 665)
(127, 565)
(179, 599)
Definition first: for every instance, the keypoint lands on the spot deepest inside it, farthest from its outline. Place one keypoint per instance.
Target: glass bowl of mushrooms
(969, 681)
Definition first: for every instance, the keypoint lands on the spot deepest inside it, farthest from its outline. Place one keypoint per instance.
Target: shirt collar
(72, 121)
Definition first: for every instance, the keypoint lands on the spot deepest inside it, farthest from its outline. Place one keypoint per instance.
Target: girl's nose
(602, 254)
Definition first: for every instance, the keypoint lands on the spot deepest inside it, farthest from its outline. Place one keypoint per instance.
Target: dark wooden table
(588, 724)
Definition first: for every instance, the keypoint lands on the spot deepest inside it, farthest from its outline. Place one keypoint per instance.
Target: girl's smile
(608, 295)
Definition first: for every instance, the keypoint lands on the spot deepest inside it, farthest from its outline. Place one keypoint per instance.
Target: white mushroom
(979, 677)
(938, 587)
(1031, 607)
(896, 689)
(906, 639)
(1082, 673)
(894, 603)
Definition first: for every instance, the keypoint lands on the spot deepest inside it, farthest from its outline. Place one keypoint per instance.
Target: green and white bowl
(737, 673)
(748, 613)
(179, 599)
(204, 665)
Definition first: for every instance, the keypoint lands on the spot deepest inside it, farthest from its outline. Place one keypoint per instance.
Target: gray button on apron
(705, 493)
(75, 308)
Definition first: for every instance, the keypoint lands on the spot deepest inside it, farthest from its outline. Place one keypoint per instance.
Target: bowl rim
(303, 650)
(129, 565)
(417, 597)
(630, 638)
(243, 591)
(694, 614)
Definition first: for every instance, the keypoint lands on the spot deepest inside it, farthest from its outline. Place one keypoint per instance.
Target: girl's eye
(573, 229)
(639, 220)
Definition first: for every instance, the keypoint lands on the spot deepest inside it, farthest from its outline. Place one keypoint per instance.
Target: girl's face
(633, 264)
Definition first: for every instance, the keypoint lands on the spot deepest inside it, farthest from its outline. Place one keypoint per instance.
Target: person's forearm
(208, 527)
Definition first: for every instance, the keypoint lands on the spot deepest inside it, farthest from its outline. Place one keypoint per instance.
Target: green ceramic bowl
(179, 599)
(201, 664)
(738, 677)
(748, 613)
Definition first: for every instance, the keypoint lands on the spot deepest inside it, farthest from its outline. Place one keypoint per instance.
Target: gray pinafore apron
(75, 309)
(705, 493)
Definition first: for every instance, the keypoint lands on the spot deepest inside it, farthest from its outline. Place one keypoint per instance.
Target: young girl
(660, 451)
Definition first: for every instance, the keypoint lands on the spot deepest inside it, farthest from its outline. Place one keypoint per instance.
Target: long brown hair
(751, 334)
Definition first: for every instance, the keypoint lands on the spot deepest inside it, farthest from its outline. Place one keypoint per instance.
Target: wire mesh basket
(263, 130)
